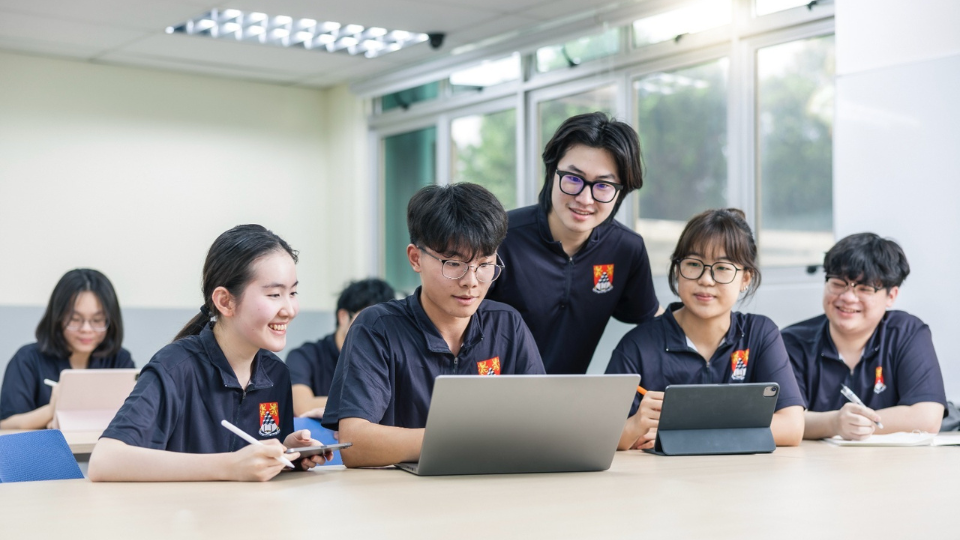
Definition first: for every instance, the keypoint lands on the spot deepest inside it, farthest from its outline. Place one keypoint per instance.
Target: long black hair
(229, 264)
(60, 308)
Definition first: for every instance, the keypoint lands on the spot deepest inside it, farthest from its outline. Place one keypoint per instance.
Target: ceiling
(132, 33)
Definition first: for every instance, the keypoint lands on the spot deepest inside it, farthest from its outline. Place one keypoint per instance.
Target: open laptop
(90, 398)
(524, 423)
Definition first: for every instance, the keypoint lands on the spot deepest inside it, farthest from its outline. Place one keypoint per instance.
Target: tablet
(90, 398)
(308, 451)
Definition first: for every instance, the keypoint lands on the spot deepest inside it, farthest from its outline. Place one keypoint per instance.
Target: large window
(682, 119)
(484, 151)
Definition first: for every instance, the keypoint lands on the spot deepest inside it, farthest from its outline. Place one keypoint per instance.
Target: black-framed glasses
(721, 272)
(838, 286)
(97, 324)
(453, 269)
(573, 184)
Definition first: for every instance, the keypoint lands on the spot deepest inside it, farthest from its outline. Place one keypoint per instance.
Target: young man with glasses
(573, 266)
(884, 357)
(394, 351)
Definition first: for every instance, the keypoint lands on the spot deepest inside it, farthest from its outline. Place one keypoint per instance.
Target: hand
(647, 419)
(256, 462)
(855, 422)
(313, 413)
(299, 439)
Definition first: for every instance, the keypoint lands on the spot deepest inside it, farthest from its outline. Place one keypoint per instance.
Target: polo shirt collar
(543, 224)
(435, 342)
(870, 350)
(258, 377)
(676, 339)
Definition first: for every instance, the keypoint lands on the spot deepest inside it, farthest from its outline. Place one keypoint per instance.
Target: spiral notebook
(902, 439)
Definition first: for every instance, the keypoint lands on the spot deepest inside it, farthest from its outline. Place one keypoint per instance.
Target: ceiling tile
(488, 29)
(57, 33)
(150, 15)
(262, 75)
(556, 9)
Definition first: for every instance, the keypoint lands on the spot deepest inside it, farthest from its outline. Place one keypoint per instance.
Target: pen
(49, 383)
(243, 435)
(852, 398)
(641, 390)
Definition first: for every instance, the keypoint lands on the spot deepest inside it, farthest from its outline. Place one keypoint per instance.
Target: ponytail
(229, 264)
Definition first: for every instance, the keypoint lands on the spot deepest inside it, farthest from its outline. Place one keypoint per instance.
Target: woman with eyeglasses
(701, 339)
(80, 329)
(884, 357)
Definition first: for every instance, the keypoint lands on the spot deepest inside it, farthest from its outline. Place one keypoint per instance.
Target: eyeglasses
(837, 287)
(603, 192)
(452, 269)
(97, 324)
(721, 272)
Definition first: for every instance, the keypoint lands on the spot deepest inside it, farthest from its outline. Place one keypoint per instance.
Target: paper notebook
(902, 439)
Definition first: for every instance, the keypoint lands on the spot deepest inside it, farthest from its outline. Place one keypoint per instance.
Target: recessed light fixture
(310, 34)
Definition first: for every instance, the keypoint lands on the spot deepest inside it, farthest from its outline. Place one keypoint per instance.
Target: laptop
(523, 424)
(709, 419)
(90, 398)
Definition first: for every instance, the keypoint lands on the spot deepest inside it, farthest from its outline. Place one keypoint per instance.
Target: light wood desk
(81, 442)
(814, 491)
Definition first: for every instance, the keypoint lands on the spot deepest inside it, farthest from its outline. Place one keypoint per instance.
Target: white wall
(135, 172)
(897, 148)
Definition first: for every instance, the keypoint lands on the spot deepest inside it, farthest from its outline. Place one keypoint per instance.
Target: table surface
(80, 442)
(814, 490)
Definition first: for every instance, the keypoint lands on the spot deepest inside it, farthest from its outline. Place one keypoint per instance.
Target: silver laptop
(524, 423)
(90, 398)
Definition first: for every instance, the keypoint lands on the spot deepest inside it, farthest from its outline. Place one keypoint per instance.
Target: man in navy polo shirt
(312, 364)
(572, 265)
(394, 351)
(885, 357)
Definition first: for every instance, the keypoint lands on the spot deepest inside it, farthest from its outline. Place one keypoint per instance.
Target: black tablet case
(709, 419)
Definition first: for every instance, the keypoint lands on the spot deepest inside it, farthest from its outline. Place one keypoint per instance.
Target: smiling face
(573, 217)
(704, 297)
(268, 303)
(447, 300)
(853, 315)
(79, 329)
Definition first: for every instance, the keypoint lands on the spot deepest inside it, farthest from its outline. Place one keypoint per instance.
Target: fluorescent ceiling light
(354, 39)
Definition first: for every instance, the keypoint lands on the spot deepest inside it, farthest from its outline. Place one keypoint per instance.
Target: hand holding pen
(855, 420)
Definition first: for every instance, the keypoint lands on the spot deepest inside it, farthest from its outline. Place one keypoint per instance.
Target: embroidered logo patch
(269, 419)
(878, 385)
(738, 364)
(602, 278)
(489, 367)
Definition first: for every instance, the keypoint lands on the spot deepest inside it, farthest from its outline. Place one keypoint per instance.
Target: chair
(36, 455)
(319, 433)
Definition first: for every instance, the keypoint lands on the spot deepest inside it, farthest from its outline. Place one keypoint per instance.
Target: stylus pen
(49, 383)
(243, 435)
(641, 390)
(852, 398)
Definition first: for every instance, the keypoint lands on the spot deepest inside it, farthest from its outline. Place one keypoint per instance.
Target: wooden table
(813, 491)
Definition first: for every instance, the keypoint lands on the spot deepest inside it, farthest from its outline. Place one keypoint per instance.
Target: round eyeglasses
(573, 184)
(721, 272)
(453, 269)
(837, 286)
(97, 324)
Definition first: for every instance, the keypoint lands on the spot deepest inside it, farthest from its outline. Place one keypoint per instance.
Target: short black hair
(595, 130)
(461, 218)
(364, 293)
(868, 259)
(60, 308)
(725, 228)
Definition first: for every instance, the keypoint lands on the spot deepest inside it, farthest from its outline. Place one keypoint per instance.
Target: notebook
(902, 439)
(90, 398)
(523, 424)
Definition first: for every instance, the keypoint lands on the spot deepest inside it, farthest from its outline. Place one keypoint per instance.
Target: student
(573, 266)
(701, 340)
(885, 357)
(81, 329)
(169, 428)
(313, 363)
(394, 351)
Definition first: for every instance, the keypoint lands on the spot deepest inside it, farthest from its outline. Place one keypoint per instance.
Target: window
(578, 51)
(405, 98)
(690, 19)
(484, 151)
(682, 120)
(409, 163)
(552, 113)
(486, 74)
(795, 138)
(765, 7)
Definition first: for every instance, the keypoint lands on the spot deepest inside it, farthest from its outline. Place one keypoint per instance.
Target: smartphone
(307, 451)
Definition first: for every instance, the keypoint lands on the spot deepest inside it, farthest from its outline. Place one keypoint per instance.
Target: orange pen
(642, 390)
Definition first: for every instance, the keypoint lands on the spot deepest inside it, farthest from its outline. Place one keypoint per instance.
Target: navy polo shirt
(313, 364)
(23, 389)
(567, 301)
(188, 387)
(898, 367)
(393, 353)
(751, 352)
